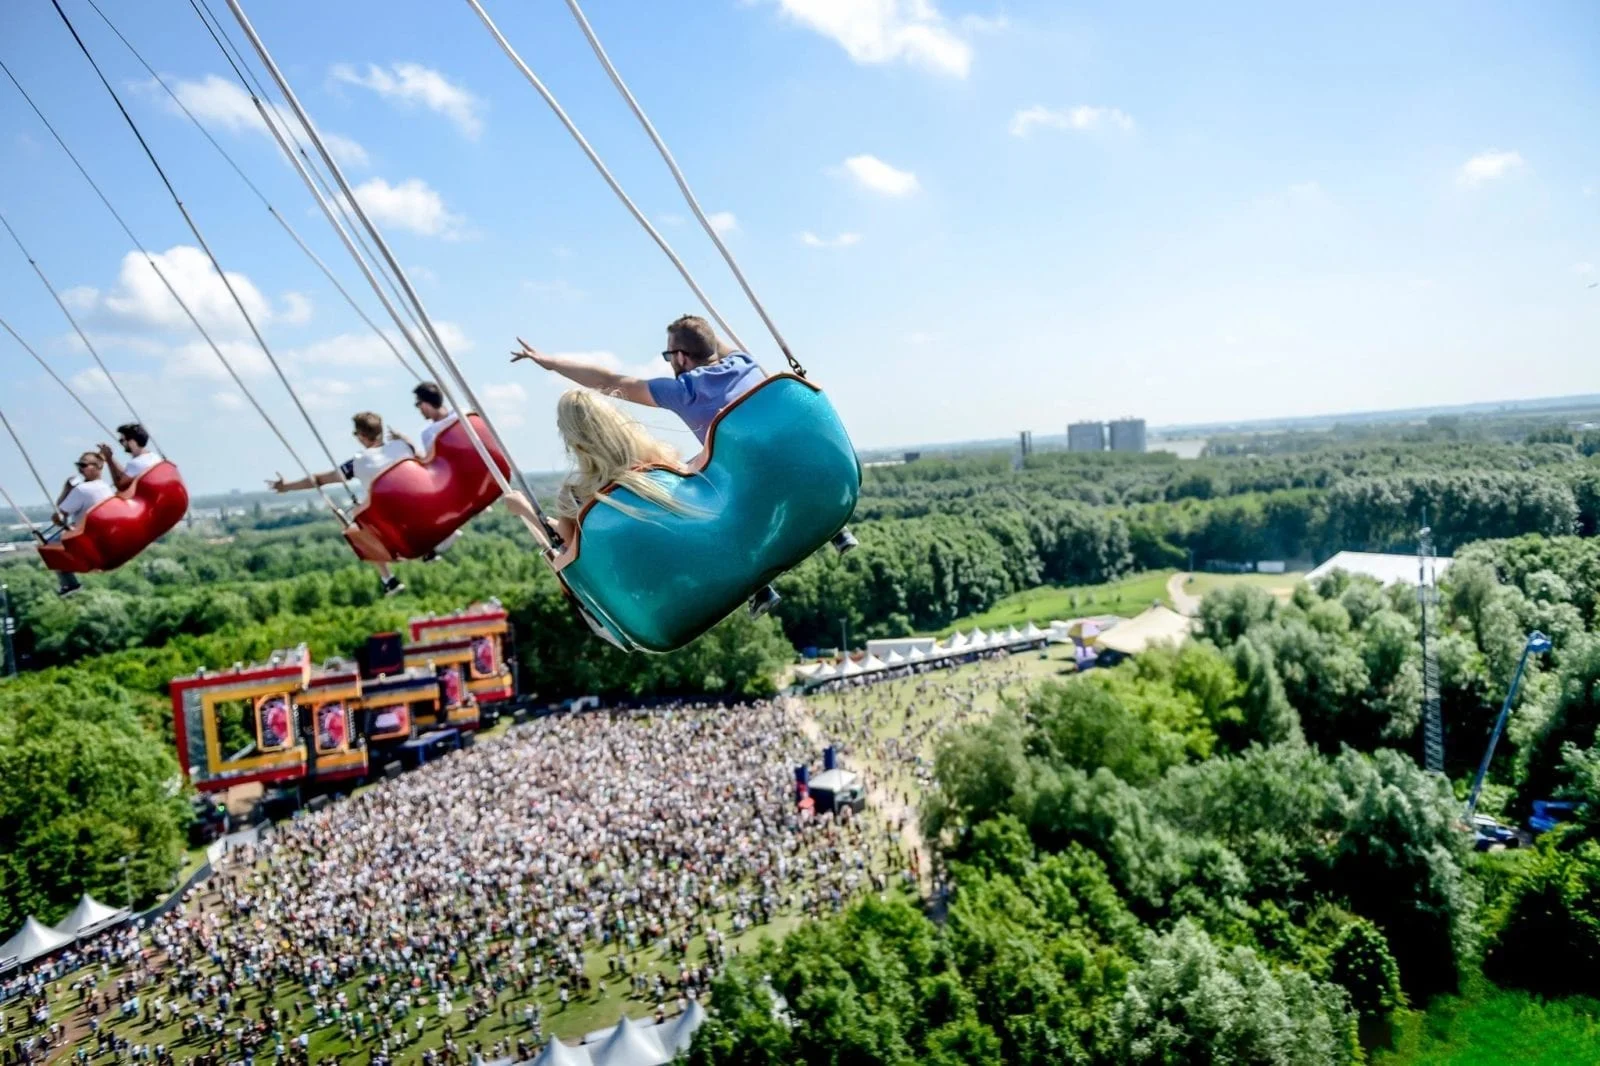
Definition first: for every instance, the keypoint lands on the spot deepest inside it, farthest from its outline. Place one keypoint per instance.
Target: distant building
(1086, 437)
(1127, 435)
(911, 457)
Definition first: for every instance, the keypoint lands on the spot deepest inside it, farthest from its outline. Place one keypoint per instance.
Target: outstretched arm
(119, 476)
(327, 477)
(635, 390)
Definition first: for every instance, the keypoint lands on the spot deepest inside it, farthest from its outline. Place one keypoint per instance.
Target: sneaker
(69, 584)
(431, 557)
(392, 585)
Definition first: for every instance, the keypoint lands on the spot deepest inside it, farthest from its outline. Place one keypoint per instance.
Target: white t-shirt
(432, 430)
(140, 463)
(374, 461)
(82, 497)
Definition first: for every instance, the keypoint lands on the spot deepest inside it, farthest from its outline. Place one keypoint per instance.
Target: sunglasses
(85, 466)
(670, 352)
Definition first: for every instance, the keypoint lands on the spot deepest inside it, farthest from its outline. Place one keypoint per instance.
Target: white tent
(1031, 631)
(956, 641)
(1158, 625)
(556, 1053)
(851, 668)
(807, 669)
(895, 658)
(979, 637)
(676, 1033)
(33, 940)
(825, 671)
(1012, 636)
(873, 663)
(916, 655)
(630, 1044)
(90, 916)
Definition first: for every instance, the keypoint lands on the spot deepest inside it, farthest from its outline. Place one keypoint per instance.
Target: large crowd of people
(454, 914)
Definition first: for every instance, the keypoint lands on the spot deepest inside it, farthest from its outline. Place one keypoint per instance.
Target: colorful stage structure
(286, 721)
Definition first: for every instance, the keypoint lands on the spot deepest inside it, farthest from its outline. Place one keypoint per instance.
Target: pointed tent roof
(676, 1034)
(957, 640)
(895, 658)
(1032, 630)
(807, 669)
(873, 663)
(979, 635)
(1012, 633)
(850, 669)
(823, 672)
(630, 1044)
(556, 1053)
(90, 916)
(916, 655)
(33, 940)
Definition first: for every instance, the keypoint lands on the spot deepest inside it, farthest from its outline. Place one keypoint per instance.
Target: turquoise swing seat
(777, 479)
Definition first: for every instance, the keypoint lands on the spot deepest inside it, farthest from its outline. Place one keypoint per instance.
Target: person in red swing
(78, 495)
(135, 440)
(377, 455)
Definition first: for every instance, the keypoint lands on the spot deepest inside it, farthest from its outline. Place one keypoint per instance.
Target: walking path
(1182, 601)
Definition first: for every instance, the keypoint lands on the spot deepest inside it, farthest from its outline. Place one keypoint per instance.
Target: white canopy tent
(630, 1044)
(34, 940)
(957, 642)
(90, 916)
(675, 1034)
(1031, 631)
(1012, 635)
(916, 655)
(873, 663)
(826, 671)
(895, 658)
(851, 668)
(556, 1053)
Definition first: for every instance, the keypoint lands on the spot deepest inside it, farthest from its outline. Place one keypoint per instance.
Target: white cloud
(555, 290)
(985, 23)
(222, 104)
(1489, 166)
(296, 309)
(345, 152)
(886, 31)
(422, 273)
(411, 205)
(455, 338)
(723, 221)
(670, 219)
(843, 240)
(412, 84)
(873, 173)
(140, 302)
(227, 401)
(1081, 118)
(93, 381)
(507, 403)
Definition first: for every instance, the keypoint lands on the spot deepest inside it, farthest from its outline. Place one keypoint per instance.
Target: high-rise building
(1127, 435)
(1086, 437)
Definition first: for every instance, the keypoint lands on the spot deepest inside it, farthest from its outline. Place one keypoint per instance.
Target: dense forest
(1226, 852)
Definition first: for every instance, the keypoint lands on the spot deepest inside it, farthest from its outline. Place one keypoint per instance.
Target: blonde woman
(606, 447)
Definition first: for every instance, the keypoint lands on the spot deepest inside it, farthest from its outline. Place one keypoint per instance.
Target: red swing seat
(413, 506)
(118, 528)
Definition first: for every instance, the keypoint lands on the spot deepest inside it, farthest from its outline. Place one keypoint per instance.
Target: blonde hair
(608, 447)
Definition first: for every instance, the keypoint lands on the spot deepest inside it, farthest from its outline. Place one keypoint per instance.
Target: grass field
(1277, 584)
(1490, 1026)
(1126, 597)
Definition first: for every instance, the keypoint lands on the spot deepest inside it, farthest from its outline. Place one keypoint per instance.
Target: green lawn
(1126, 597)
(1277, 584)
(1489, 1026)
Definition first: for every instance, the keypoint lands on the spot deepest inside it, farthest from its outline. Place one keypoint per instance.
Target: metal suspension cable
(26, 458)
(683, 183)
(253, 87)
(48, 369)
(171, 289)
(599, 165)
(204, 246)
(411, 294)
(271, 210)
(82, 336)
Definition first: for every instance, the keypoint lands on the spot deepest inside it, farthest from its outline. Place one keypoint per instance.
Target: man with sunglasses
(78, 495)
(707, 374)
(135, 440)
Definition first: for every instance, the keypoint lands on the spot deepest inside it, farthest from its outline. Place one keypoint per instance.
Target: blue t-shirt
(697, 396)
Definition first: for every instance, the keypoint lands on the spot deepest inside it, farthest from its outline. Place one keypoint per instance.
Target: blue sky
(968, 218)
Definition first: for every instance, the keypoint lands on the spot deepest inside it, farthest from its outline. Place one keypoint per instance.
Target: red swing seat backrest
(118, 528)
(415, 504)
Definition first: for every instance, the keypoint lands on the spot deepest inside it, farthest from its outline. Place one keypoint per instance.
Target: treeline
(1227, 853)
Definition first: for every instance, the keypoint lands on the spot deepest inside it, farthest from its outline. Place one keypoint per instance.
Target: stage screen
(451, 690)
(333, 728)
(389, 722)
(485, 660)
(274, 723)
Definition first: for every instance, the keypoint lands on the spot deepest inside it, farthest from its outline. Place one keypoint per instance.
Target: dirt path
(1182, 601)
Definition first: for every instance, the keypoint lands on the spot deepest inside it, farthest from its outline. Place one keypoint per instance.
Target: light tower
(1427, 598)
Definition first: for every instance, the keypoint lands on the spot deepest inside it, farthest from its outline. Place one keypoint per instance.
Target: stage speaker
(384, 654)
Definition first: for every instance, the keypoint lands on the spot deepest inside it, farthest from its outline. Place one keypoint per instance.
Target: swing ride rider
(135, 440)
(608, 446)
(377, 455)
(707, 375)
(78, 495)
(430, 405)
